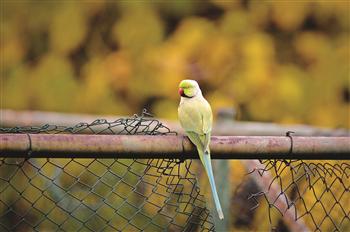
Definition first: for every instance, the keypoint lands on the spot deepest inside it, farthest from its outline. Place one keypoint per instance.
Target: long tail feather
(205, 158)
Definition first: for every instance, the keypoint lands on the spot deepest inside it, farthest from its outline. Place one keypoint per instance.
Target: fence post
(222, 177)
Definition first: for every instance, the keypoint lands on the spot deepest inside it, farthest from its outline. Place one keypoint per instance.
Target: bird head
(189, 88)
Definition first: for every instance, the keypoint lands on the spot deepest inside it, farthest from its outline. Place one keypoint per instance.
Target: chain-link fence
(101, 194)
(305, 195)
(72, 194)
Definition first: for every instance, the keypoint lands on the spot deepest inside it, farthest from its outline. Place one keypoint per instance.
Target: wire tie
(289, 135)
(29, 153)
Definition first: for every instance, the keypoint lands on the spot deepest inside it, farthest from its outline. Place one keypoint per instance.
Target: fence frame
(149, 139)
(160, 146)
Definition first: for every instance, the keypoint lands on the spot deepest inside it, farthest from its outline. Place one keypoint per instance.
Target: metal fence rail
(178, 147)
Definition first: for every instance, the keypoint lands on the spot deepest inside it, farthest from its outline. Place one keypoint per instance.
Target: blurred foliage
(281, 61)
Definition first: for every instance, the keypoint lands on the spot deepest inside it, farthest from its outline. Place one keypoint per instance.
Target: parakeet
(196, 119)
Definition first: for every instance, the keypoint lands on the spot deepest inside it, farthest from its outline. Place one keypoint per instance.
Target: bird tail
(205, 158)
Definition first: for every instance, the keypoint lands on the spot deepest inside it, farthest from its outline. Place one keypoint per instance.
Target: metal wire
(136, 125)
(101, 194)
(316, 194)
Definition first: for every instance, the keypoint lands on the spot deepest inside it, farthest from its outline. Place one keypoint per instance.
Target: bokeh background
(272, 61)
(280, 61)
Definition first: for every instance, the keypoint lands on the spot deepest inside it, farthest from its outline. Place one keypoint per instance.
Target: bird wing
(196, 118)
(207, 117)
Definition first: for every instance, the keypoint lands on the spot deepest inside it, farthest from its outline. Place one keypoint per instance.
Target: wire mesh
(136, 125)
(101, 194)
(314, 194)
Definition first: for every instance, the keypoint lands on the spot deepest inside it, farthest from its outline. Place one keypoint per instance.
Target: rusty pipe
(177, 147)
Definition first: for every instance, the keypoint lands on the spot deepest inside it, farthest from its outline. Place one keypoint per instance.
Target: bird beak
(181, 92)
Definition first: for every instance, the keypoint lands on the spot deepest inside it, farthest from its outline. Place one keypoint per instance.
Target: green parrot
(196, 119)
